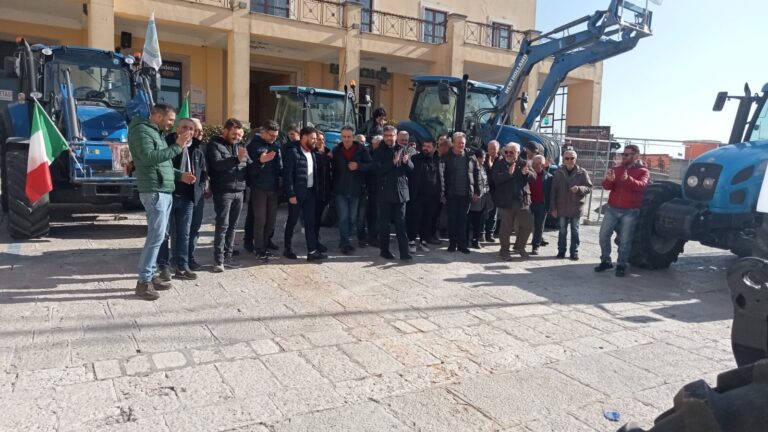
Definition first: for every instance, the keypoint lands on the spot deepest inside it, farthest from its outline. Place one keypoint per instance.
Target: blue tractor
(327, 110)
(717, 203)
(484, 111)
(91, 96)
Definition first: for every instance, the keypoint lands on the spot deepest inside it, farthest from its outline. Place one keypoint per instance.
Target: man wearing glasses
(512, 197)
(627, 183)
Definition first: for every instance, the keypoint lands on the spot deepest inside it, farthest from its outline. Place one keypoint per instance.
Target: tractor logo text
(516, 72)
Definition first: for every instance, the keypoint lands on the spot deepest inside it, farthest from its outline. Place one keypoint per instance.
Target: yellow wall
(36, 32)
(520, 13)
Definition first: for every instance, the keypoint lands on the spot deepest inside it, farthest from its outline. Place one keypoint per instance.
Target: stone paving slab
(448, 342)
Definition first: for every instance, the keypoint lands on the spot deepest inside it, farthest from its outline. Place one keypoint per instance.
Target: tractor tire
(25, 220)
(649, 249)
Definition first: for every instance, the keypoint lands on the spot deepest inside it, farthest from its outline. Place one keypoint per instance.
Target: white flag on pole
(151, 54)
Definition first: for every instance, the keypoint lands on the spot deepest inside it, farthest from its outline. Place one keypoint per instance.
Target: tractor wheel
(756, 246)
(25, 220)
(649, 249)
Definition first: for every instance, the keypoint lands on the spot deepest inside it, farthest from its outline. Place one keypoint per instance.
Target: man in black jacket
(459, 177)
(300, 179)
(493, 156)
(324, 184)
(350, 162)
(425, 187)
(227, 163)
(185, 197)
(512, 199)
(392, 167)
(264, 181)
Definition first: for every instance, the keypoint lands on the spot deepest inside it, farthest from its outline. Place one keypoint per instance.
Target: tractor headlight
(692, 181)
(708, 183)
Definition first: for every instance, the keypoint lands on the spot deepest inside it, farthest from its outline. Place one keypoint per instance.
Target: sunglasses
(569, 158)
(510, 152)
(628, 154)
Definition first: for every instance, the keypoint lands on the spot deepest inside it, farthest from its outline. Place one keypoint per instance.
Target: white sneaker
(412, 247)
(423, 246)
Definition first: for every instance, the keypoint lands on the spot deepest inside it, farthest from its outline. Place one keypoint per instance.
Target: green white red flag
(45, 144)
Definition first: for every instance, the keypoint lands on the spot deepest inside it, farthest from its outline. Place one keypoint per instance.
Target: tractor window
(430, 113)
(325, 112)
(95, 77)
(479, 100)
(760, 131)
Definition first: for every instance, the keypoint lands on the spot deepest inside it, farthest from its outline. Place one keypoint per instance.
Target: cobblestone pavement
(355, 343)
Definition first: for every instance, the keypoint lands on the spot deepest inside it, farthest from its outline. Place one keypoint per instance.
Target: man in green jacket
(155, 177)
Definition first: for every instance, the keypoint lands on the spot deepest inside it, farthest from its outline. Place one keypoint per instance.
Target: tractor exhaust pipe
(73, 127)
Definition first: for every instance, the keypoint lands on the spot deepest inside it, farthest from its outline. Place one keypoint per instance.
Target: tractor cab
(326, 110)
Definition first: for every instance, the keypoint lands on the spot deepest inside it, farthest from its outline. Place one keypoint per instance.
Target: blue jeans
(562, 238)
(158, 208)
(194, 229)
(178, 231)
(346, 210)
(625, 219)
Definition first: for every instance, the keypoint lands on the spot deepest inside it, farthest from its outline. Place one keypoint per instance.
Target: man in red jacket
(627, 183)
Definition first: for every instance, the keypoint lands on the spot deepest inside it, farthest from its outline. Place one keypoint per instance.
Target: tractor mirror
(720, 101)
(443, 92)
(524, 103)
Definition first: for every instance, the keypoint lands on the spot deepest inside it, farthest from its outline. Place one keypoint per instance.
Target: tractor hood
(100, 123)
(735, 172)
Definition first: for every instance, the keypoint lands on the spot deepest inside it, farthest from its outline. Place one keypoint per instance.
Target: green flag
(183, 111)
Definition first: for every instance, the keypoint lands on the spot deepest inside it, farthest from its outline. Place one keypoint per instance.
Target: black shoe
(362, 244)
(620, 271)
(464, 250)
(248, 246)
(561, 255)
(452, 248)
(316, 256)
(321, 248)
(574, 257)
(535, 251)
(489, 238)
(193, 265)
(434, 241)
(346, 249)
(386, 255)
(237, 252)
(289, 254)
(406, 257)
(475, 244)
(262, 255)
(272, 246)
(544, 243)
(605, 265)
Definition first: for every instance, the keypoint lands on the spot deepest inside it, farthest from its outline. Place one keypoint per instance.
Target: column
(239, 66)
(451, 58)
(101, 24)
(349, 55)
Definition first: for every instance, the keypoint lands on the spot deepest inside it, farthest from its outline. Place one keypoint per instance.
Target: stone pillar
(101, 24)
(349, 55)
(239, 66)
(451, 57)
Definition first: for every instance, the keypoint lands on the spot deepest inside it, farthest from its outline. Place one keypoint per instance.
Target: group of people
(473, 196)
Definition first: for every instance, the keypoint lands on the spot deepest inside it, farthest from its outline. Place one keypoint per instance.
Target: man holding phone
(627, 183)
(155, 177)
(227, 162)
(264, 181)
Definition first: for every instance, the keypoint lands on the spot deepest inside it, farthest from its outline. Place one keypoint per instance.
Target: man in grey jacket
(570, 189)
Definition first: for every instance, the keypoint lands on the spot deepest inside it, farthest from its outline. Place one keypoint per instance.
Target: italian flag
(45, 144)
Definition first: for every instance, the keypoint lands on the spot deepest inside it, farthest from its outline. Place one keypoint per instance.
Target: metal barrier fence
(663, 159)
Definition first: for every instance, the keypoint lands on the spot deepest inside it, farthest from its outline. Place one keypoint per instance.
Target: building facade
(227, 53)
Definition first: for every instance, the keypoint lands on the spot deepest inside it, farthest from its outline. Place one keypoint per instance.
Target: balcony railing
(493, 36)
(323, 12)
(402, 27)
(218, 3)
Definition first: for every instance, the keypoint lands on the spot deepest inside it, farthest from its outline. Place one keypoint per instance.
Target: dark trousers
(194, 228)
(477, 224)
(421, 217)
(264, 214)
(539, 217)
(178, 234)
(248, 227)
(372, 217)
(458, 207)
(304, 207)
(320, 206)
(392, 213)
(227, 206)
